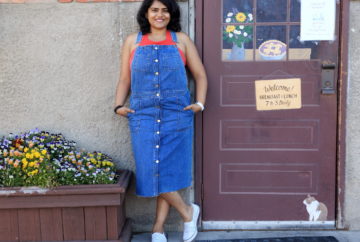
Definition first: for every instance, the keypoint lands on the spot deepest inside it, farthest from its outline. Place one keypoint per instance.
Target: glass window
(301, 50)
(232, 8)
(264, 30)
(270, 43)
(271, 10)
(295, 11)
(237, 30)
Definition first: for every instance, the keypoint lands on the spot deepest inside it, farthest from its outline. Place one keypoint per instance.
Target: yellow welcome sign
(278, 94)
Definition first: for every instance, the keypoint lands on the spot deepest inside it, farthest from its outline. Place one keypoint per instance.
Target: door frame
(342, 84)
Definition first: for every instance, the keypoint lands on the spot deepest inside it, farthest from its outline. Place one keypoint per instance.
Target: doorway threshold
(267, 225)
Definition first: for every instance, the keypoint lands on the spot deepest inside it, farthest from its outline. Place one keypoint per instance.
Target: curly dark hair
(173, 8)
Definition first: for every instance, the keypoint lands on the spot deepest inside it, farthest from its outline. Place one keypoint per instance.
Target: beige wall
(352, 183)
(59, 65)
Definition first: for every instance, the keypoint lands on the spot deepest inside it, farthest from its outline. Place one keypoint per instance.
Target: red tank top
(168, 41)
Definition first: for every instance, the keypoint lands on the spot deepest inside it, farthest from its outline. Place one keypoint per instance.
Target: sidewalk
(342, 236)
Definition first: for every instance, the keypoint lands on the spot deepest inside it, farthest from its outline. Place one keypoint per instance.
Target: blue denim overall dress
(161, 131)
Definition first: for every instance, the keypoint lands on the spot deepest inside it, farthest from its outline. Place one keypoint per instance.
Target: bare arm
(197, 70)
(123, 85)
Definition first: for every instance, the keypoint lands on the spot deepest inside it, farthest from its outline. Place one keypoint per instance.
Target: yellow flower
(230, 28)
(241, 17)
(43, 152)
(28, 156)
(24, 160)
(31, 164)
(37, 154)
(33, 172)
(26, 149)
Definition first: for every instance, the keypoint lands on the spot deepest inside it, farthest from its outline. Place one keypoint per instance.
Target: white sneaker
(190, 228)
(158, 237)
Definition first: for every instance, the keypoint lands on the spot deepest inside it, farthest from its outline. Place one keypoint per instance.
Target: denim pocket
(171, 59)
(183, 100)
(135, 104)
(185, 117)
(142, 60)
(134, 126)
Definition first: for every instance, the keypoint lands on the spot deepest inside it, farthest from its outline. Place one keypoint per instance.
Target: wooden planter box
(65, 213)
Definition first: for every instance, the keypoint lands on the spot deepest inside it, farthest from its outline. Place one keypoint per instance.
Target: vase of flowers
(50, 190)
(237, 52)
(237, 32)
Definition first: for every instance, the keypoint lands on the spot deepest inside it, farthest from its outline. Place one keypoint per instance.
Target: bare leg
(162, 210)
(175, 200)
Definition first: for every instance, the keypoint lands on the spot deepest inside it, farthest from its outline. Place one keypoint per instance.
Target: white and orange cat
(317, 210)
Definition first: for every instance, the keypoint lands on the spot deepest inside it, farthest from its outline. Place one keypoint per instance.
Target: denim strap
(173, 36)
(139, 37)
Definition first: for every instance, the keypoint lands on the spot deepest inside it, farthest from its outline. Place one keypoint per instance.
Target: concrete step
(342, 236)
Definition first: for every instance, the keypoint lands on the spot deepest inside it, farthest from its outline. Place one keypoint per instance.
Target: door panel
(262, 165)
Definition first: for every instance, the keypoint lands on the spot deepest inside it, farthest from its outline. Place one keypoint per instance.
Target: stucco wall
(352, 184)
(59, 66)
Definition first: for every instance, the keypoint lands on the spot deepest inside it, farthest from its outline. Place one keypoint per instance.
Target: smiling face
(158, 15)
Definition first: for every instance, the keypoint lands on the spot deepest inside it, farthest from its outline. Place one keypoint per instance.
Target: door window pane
(237, 30)
(271, 43)
(295, 11)
(237, 11)
(237, 43)
(271, 10)
(301, 50)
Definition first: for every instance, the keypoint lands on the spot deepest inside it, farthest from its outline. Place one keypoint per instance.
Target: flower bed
(51, 191)
(38, 158)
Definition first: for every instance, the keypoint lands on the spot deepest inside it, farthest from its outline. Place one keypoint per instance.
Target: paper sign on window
(317, 20)
(278, 94)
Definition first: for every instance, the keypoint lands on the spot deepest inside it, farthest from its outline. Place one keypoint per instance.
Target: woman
(160, 113)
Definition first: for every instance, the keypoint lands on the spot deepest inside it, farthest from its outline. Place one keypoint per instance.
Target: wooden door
(266, 167)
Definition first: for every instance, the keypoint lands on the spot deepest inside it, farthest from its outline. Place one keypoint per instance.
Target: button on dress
(161, 131)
